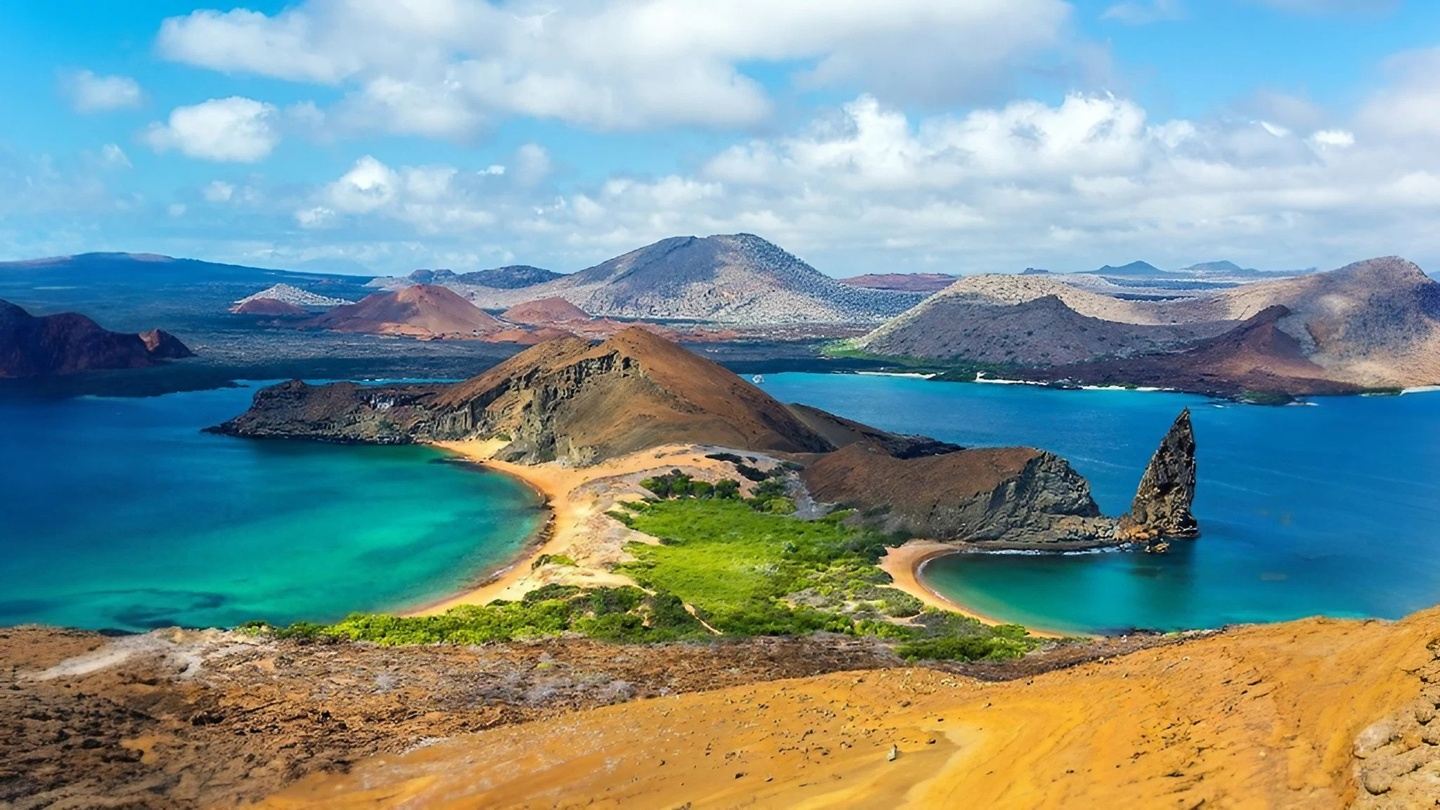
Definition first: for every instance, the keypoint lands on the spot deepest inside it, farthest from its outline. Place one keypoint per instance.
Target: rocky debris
(1161, 508)
(290, 294)
(39, 346)
(1397, 759)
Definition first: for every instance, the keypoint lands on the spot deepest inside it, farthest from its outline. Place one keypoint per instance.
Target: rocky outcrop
(1018, 497)
(1161, 509)
(1006, 497)
(69, 342)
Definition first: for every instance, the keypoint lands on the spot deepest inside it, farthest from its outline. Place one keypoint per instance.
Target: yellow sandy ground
(1262, 716)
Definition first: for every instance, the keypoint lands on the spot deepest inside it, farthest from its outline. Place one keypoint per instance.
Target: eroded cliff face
(1161, 509)
(1015, 496)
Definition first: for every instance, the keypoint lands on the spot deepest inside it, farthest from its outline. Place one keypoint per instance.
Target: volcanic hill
(733, 279)
(422, 310)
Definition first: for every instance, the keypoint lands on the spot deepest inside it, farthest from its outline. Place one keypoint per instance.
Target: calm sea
(121, 514)
(1331, 508)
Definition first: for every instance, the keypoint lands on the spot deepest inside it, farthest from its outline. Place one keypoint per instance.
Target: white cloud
(429, 199)
(91, 93)
(113, 157)
(222, 129)
(446, 68)
(1144, 12)
(1335, 138)
(1409, 105)
(218, 191)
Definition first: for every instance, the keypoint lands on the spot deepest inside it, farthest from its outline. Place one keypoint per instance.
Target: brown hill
(544, 311)
(1042, 330)
(421, 310)
(903, 282)
(564, 399)
(270, 307)
(32, 346)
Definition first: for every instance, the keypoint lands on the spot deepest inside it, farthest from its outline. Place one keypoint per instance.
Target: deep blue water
(120, 513)
(1331, 508)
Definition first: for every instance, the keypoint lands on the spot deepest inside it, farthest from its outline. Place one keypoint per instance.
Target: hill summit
(735, 279)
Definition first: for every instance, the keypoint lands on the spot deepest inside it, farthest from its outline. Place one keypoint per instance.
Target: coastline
(577, 499)
(904, 564)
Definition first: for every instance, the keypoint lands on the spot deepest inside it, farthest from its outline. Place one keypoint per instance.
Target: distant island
(67, 343)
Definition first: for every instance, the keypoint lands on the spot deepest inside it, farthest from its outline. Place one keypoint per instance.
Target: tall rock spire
(1161, 508)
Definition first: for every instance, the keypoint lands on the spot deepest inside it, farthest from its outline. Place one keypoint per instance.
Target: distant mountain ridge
(509, 277)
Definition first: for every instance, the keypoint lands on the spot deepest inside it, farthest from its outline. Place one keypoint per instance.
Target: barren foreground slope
(1315, 713)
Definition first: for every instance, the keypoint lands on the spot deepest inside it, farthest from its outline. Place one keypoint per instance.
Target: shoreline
(578, 526)
(905, 566)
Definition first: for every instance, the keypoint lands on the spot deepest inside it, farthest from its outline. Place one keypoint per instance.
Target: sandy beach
(903, 564)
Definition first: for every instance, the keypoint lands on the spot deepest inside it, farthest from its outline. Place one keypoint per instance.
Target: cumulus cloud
(445, 68)
(231, 129)
(90, 93)
(428, 199)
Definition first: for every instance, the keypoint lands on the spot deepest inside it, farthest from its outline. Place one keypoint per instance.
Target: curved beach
(905, 566)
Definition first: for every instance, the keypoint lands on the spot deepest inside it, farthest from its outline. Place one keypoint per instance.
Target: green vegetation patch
(623, 614)
(748, 572)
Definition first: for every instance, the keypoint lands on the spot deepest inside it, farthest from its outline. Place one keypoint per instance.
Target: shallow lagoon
(1329, 508)
(121, 514)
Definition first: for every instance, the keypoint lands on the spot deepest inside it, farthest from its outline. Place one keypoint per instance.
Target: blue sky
(975, 136)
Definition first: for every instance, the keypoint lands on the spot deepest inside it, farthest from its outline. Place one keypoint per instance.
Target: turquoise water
(121, 514)
(1330, 509)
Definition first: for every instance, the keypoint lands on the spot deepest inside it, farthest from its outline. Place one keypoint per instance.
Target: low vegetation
(745, 566)
(623, 614)
(749, 571)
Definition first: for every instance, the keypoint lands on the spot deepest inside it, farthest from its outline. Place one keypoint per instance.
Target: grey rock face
(1161, 508)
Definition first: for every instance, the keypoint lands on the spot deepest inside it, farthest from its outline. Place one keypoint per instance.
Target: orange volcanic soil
(1314, 713)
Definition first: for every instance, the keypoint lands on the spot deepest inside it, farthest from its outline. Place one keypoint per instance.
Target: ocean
(119, 513)
(1329, 508)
